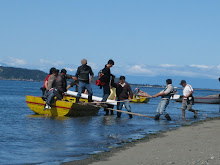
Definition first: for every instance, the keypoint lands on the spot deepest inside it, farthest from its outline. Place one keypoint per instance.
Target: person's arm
(77, 73)
(90, 80)
(46, 85)
(159, 94)
(91, 75)
(130, 91)
(71, 85)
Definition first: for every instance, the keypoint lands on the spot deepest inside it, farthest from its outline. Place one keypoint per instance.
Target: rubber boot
(130, 115)
(112, 112)
(118, 114)
(77, 99)
(90, 99)
(157, 117)
(168, 117)
(106, 112)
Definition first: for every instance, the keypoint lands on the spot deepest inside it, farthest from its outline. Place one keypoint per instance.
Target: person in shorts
(188, 99)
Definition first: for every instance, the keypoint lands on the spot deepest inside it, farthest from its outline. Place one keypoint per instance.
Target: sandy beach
(198, 143)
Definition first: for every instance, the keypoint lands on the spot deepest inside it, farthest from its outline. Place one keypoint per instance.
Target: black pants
(107, 110)
(59, 95)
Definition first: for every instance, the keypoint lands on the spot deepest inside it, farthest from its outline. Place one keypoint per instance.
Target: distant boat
(210, 99)
(67, 106)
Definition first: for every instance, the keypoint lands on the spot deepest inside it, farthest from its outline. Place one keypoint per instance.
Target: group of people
(55, 84)
(166, 95)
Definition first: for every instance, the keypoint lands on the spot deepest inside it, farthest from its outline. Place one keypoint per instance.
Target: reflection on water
(45, 116)
(27, 138)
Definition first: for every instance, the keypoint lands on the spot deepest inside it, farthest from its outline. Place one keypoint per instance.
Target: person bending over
(165, 99)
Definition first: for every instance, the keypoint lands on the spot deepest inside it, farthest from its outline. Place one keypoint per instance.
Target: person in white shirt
(188, 99)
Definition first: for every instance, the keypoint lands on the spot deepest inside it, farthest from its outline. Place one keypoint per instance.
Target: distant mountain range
(196, 82)
(11, 73)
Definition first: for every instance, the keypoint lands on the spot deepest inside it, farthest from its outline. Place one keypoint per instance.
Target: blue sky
(144, 37)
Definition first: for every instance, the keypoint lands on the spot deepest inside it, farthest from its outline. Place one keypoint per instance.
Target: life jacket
(169, 95)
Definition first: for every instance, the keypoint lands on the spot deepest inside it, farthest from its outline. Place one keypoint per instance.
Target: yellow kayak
(65, 107)
(140, 99)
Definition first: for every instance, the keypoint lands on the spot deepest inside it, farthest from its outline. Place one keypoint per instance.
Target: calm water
(27, 138)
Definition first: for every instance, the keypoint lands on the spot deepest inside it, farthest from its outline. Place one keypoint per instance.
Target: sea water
(27, 138)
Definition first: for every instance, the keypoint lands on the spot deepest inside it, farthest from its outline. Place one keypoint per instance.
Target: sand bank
(195, 144)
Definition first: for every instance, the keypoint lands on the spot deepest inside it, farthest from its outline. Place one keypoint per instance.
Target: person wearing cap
(188, 99)
(123, 92)
(82, 75)
(61, 83)
(165, 99)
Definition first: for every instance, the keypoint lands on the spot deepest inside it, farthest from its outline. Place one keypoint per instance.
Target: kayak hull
(65, 107)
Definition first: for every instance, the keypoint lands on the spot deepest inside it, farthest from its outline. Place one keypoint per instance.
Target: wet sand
(198, 143)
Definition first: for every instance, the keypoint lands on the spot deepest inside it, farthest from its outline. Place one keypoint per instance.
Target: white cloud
(52, 63)
(139, 69)
(70, 69)
(200, 66)
(218, 67)
(167, 65)
(42, 61)
(93, 65)
(15, 61)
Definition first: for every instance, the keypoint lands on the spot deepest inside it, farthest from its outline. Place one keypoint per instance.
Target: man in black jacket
(61, 83)
(82, 74)
(106, 72)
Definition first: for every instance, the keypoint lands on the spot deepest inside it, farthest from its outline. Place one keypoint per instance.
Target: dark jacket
(51, 82)
(61, 83)
(122, 93)
(106, 75)
(83, 72)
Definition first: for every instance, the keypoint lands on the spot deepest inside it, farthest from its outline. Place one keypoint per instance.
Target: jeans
(84, 85)
(106, 91)
(50, 96)
(120, 105)
(162, 106)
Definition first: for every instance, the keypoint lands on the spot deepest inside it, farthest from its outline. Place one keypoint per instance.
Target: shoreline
(184, 145)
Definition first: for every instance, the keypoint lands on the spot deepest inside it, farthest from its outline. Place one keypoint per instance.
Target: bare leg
(195, 113)
(183, 113)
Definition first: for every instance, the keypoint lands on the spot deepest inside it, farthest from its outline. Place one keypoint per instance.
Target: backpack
(99, 82)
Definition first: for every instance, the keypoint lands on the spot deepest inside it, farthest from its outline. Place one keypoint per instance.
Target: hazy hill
(161, 80)
(11, 73)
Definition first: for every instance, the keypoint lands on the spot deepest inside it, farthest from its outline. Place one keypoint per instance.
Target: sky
(144, 37)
